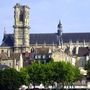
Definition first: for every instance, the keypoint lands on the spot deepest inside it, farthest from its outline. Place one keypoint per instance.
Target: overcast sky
(45, 15)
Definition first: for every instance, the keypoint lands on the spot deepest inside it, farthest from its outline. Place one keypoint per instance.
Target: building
(59, 45)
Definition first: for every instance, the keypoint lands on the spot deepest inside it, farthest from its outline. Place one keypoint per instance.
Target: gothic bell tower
(21, 28)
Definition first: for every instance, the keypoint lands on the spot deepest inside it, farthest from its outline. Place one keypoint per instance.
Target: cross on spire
(4, 30)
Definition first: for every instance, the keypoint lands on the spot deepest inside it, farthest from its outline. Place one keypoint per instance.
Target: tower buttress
(21, 28)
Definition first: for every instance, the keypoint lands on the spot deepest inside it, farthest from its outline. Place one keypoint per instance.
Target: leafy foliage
(24, 76)
(60, 72)
(87, 67)
(10, 79)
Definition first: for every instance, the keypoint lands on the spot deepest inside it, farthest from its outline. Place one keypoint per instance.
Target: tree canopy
(10, 79)
(60, 72)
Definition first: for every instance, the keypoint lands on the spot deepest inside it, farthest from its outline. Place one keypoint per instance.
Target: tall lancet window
(21, 18)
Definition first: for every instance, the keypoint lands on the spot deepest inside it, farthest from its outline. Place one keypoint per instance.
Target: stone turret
(59, 34)
(59, 29)
(21, 28)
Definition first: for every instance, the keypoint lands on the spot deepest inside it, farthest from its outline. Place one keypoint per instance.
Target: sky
(45, 15)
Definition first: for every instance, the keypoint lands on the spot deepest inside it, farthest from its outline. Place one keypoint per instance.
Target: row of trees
(37, 73)
(60, 72)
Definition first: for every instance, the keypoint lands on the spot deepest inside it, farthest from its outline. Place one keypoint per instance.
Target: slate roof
(76, 36)
(8, 40)
(43, 38)
(48, 38)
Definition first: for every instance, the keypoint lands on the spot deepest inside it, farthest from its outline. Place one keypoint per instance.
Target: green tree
(40, 73)
(24, 76)
(35, 73)
(10, 79)
(65, 73)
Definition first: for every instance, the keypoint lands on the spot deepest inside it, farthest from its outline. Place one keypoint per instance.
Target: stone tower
(21, 28)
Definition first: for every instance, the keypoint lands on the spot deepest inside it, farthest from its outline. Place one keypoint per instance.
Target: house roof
(83, 51)
(48, 38)
(42, 50)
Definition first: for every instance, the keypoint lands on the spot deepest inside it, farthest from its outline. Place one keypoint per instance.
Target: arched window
(32, 50)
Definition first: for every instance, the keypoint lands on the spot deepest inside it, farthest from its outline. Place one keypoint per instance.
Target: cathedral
(21, 48)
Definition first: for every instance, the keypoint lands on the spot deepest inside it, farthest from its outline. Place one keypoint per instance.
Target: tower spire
(59, 24)
(59, 33)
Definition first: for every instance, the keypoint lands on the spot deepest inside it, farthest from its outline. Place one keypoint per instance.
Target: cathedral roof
(49, 38)
(74, 37)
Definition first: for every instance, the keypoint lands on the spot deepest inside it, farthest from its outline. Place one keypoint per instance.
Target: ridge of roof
(77, 33)
(56, 33)
(42, 33)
